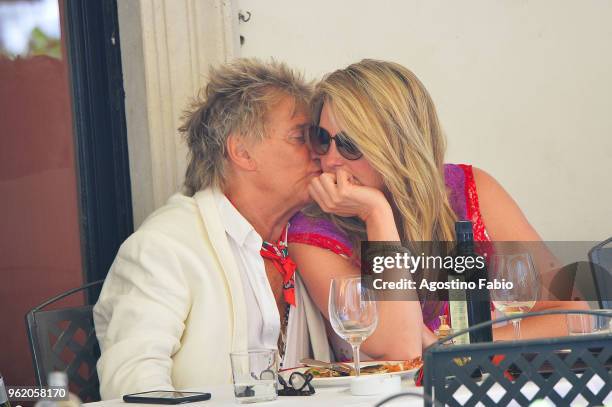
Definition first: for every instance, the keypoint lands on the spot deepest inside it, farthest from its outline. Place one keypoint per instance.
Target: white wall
(523, 88)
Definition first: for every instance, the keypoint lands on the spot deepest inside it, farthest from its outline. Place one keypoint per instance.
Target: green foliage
(39, 43)
(42, 44)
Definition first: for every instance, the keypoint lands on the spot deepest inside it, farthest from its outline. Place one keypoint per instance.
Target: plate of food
(323, 377)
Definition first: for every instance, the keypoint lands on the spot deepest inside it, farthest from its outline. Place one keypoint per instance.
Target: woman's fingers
(318, 193)
(328, 183)
(342, 179)
(334, 193)
(324, 191)
(338, 193)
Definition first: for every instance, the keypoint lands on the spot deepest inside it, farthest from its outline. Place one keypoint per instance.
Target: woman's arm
(505, 222)
(400, 324)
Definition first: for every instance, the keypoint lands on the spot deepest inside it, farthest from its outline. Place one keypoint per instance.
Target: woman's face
(361, 171)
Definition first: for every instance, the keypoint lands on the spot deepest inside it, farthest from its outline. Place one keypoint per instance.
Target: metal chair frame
(449, 368)
(46, 356)
(600, 257)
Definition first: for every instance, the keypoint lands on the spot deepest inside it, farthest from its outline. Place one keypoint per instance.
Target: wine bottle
(478, 300)
(4, 401)
(457, 301)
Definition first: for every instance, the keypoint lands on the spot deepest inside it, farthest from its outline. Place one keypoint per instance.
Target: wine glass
(352, 312)
(519, 270)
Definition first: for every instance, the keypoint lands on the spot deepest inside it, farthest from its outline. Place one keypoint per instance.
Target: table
(223, 395)
(341, 396)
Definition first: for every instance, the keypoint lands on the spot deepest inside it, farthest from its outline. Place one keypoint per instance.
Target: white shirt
(263, 320)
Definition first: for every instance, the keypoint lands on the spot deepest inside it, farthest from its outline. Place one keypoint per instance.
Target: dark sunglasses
(320, 141)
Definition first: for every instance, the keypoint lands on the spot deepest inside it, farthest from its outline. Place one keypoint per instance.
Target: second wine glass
(519, 270)
(352, 312)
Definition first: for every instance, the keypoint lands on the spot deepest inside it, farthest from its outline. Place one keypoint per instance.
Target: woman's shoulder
(458, 173)
(465, 173)
(319, 232)
(469, 179)
(505, 220)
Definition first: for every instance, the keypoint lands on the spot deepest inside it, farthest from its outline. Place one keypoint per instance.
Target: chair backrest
(65, 340)
(601, 266)
(567, 370)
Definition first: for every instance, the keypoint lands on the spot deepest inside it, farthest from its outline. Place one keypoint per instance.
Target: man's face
(284, 165)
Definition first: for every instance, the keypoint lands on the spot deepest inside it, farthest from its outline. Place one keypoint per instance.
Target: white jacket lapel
(211, 217)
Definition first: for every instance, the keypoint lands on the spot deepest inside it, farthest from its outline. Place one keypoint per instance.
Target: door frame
(100, 135)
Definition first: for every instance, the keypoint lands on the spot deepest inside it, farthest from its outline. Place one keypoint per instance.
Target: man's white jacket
(172, 306)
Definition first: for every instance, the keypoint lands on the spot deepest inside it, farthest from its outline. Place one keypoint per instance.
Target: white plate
(346, 380)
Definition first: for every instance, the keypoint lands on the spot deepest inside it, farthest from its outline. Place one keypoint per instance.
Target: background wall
(523, 88)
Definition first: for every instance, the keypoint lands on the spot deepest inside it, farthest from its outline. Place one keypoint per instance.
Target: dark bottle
(4, 402)
(478, 299)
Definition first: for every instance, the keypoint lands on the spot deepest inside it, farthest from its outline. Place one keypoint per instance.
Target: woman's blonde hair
(385, 109)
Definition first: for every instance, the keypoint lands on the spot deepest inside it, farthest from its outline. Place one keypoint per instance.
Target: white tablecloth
(328, 396)
(341, 396)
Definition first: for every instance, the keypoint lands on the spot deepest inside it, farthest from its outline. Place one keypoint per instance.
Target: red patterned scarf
(279, 255)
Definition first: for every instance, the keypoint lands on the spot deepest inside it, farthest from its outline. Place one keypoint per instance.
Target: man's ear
(238, 153)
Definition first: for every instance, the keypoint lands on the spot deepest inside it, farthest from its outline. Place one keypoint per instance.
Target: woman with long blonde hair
(381, 150)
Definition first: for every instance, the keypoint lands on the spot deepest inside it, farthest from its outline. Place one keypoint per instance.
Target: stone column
(167, 47)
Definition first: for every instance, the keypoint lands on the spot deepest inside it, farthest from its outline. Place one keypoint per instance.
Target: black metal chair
(600, 257)
(65, 340)
(563, 369)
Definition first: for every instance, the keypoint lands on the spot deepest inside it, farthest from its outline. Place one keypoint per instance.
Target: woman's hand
(340, 194)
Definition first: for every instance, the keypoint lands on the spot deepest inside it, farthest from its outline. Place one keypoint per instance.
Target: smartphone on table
(165, 397)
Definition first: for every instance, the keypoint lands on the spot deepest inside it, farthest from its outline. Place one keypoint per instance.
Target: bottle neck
(465, 248)
(464, 235)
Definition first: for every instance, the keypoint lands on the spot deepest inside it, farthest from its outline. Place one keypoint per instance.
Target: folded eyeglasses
(299, 385)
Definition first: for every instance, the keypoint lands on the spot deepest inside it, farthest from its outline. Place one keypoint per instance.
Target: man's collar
(235, 224)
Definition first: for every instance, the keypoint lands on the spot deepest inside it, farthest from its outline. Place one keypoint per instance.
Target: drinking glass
(583, 324)
(519, 270)
(255, 374)
(352, 312)
(580, 324)
(603, 324)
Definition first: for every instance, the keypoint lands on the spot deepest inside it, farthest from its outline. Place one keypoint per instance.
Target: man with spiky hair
(208, 273)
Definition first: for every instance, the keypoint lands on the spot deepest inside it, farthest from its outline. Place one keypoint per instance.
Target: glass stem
(356, 357)
(516, 324)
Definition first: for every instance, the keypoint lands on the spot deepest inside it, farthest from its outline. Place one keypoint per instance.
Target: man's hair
(236, 100)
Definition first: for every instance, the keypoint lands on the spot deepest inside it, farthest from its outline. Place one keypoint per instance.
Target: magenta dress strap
(318, 232)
